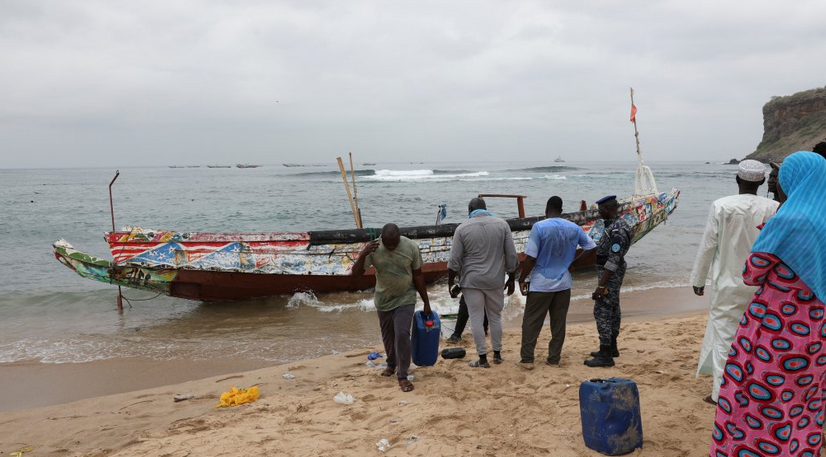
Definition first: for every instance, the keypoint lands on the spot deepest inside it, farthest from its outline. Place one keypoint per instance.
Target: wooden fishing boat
(237, 266)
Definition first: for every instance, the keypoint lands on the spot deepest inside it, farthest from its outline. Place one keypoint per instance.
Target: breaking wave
(423, 175)
(334, 173)
(437, 175)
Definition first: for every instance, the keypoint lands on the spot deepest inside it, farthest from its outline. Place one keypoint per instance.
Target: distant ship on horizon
(219, 166)
(559, 159)
(246, 165)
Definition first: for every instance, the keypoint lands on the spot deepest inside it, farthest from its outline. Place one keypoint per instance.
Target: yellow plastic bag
(20, 452)
(237, 396)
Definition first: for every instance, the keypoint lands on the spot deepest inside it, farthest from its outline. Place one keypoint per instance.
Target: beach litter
(237, 396)
(403, 402)
(21, 451)
(411, 440)
(287, 376)
(410, 377)
(383, 445)
(344, 399)
(183, 397)
(374, 356)
(371, 364)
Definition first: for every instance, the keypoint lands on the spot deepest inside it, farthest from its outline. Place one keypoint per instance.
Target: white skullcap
(752, 170)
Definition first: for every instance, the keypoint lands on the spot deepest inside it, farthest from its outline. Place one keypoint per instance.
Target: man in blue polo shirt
(551, 249)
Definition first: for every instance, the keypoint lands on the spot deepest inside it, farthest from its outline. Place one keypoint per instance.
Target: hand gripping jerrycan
(611, 421)
(425, 338)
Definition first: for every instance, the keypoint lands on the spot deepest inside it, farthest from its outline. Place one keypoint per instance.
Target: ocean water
(51, 315)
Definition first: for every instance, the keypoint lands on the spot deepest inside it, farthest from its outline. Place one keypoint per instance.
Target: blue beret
(606, 199)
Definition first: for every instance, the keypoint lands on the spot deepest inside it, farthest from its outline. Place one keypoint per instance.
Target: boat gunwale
(352, 236)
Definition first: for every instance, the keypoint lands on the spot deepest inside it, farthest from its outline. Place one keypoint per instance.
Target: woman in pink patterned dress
(771, 400)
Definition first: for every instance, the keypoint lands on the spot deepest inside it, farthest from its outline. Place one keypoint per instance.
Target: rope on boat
(141, 299)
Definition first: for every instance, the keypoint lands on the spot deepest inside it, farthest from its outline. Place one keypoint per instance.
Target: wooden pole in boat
(112, 211)
(347, 188)
(355, 192)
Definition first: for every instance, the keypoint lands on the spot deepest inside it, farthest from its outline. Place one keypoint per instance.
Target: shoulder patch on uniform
(616, 247)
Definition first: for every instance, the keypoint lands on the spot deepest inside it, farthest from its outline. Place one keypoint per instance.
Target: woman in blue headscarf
(770, 400)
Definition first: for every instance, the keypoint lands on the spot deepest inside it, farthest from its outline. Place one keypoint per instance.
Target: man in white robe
(729, 234)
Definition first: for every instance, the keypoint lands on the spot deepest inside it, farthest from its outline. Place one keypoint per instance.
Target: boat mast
(644, 183)
(359, 222)
(349, 195)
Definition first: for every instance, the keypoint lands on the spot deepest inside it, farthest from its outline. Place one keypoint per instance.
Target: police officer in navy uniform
(611, 251)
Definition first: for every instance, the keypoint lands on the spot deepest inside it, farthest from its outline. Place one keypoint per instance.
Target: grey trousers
(479, 302)
(537, 306)
(607, 311)
(395, 333)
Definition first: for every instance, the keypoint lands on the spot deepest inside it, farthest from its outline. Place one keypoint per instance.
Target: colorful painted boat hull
(237, 266)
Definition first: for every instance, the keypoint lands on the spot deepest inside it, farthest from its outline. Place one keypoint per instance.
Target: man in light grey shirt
(481, 254)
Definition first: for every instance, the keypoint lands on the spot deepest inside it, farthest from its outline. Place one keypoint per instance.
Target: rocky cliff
(792, 123)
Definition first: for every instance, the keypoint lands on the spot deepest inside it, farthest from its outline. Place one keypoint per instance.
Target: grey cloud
(193, 80)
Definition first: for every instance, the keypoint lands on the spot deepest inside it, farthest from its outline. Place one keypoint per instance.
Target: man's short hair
(390, 230)
(477, 203)
(554, 204)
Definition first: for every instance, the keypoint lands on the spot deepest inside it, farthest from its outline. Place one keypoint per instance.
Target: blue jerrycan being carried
(611, 421)
(425, 338)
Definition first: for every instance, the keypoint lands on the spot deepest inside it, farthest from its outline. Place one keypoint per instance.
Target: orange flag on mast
(633, 108)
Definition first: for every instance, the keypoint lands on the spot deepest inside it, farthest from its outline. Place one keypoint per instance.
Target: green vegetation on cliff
(792, 123)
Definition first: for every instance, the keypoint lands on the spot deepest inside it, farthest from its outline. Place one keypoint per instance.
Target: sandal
(477, 364)
(405, 385)
(389, 371)
(709, 400)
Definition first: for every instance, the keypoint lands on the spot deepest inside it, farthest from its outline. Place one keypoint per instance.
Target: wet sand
(34, 384)
(455, 409)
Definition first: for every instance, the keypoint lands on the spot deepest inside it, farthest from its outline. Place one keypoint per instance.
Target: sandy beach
(454, 410)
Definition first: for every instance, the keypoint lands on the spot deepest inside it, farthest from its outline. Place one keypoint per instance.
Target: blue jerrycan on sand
(611, 421)
(425, 338)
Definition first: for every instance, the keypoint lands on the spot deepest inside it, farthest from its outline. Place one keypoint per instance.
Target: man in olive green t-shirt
(398, 265)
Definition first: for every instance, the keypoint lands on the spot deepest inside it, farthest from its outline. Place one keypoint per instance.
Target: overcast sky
(103, 83)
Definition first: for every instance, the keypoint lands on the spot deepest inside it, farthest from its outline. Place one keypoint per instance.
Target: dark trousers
(462, 318)
(395, 333)
(607, 311)
(537, 306)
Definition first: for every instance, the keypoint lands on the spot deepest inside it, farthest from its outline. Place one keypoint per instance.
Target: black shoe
(602, 359)
(454, 339)
(614, 351)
